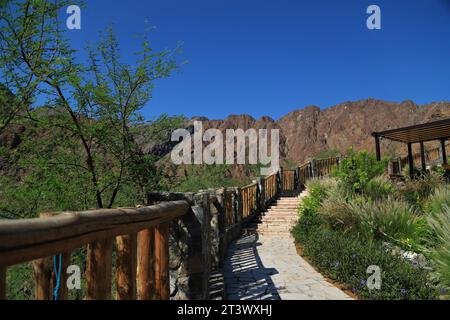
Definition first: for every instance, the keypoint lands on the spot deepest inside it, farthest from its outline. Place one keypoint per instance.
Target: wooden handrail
(29, 239)
(252, 185)
(141, 235)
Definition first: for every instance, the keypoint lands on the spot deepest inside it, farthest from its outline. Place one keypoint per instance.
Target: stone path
(264, 264)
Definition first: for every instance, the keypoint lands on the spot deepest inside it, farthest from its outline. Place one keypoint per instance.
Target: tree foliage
(81, 145)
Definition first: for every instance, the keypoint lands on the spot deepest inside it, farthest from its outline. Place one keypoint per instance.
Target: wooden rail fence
(141, 237)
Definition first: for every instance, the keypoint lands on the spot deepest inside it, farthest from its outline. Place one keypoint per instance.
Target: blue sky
(270, 57)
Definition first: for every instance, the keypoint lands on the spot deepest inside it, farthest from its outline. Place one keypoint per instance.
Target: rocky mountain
(307, 132)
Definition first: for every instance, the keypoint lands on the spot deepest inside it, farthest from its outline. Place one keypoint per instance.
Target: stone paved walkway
(268, 267)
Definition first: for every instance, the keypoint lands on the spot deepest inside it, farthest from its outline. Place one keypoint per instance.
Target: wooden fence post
(145, 269)
(239, 206)
(313, 169)
(162, 281)
(42, 272)
(45, 277)
(126, 265)
(2, 283)
(262, 194)
(99, 270)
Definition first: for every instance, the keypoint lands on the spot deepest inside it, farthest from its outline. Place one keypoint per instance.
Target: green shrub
(417, 191)
(440, 223)
(438, 200)
(357, 169)
(379, 188)
(394, 221)
(346, 259)
(20, 282)
(320, 189)
(308, 210)
(340, 213)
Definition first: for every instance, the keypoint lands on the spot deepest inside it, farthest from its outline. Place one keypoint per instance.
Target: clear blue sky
(269, 57)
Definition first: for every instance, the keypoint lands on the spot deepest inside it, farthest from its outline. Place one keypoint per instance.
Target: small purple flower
(363, 282)
(403, 290)
(354, 290)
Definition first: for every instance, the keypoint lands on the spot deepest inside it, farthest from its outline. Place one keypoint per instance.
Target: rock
(173, 283)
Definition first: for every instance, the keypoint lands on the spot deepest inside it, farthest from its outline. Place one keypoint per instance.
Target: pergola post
(444, 152)
(377, 147)
(410, 160)
(422, 157)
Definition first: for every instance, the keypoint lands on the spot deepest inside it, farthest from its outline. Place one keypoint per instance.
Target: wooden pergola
(431, 131)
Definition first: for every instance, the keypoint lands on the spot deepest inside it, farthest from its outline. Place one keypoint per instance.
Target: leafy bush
(358, 168)
(319, 189)
(379, 188)
(438, 200)
(440, 223)
(309, 206)
(417, 191)
(340, 213)
(346, 259)
(384, 220)
(394, 221)
(345, 222)
(20, 282)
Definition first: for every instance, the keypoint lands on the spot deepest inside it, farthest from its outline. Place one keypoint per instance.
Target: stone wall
(197, 242)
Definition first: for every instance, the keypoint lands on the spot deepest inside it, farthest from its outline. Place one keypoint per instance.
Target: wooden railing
(141, 236)
(249, 196)
(229, 207)
(269, 184)
(257, 196)
(317, 168)
(305, 172)
(324, 167)
(289, 180)
(142, 249)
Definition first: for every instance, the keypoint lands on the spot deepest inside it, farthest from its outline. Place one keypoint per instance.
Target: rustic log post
(99, 270)
(162, 281)
(44, 275)
(2, 283)
(422, 157)
(126, 265)
(222, 226)
(42, 271)
(262, 193)
(410, 161)
(444, 153)
(239, 205)
(145, 269)
(377, 147)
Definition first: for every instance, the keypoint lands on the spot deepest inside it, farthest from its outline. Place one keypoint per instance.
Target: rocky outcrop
(309, 131)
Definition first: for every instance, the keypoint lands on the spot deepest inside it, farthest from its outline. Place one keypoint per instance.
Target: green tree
(92, 108)
(358, 168)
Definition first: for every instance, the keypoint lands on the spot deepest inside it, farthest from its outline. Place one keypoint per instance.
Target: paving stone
(266, 266)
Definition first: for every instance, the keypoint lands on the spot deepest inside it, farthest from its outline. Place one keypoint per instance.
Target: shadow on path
(246, 277)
